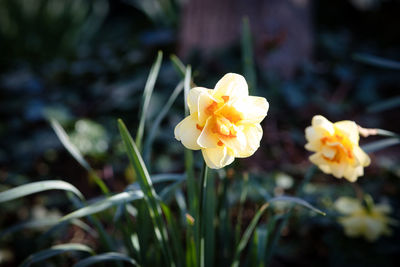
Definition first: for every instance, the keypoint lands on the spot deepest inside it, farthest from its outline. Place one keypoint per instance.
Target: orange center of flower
(341, 145)
(224, 118)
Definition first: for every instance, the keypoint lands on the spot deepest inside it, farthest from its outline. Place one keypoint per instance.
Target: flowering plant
(224, 123)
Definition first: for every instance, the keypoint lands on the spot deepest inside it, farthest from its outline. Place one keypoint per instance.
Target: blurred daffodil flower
(336, 148)
(370, 221)
(224, 122)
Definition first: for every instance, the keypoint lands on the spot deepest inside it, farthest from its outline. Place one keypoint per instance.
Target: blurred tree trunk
(282, 30)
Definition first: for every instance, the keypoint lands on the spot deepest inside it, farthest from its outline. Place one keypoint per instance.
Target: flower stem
(202, 217)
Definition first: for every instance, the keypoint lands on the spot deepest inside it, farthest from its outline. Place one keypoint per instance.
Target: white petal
(186, 132)
(314, 139)
(347, 205)
(193, 98)
(237, 144)
(321, 123)
(232, 85)
(373, 228)
(352, 173)
(253, 134)
(328, 152)
(217, 158)
(318, 160)
(207, 138)
(353, 226)
(204, 102)
(361, 156)
(350, 129)
(253, 108)
(338, 169)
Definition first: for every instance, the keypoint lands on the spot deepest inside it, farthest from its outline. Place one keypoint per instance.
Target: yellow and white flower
(361, 221)
(224, 122)
(336, 148)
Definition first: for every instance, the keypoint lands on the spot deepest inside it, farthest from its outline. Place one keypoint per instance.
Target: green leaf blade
(55, 250)
(148, 91)
(104, 204)
(36, 187)
(110, 256)
(150, 195)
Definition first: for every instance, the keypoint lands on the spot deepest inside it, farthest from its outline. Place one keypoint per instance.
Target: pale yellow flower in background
(224, 122)
(336, 148)
(362, 221)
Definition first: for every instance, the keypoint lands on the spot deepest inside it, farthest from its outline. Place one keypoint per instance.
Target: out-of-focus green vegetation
(85, 63)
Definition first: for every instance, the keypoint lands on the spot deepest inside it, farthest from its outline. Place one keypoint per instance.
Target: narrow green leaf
(298, 201)
(72, 149)
(384, 105)
(176, 235)
(247, 234)
(276, 228)
(169, 191)
(36, 187)
(247, 56)
(381, 144)
(44, 223)
(179, 66)
(261, 234)
(101, 258)
(209, 215)
(242, 199)
(156, 123)
(104, 204)
(377, 61)
(150, 195)
(55, 250)
(148, 91)
(188, 75)
(188, 154)
(201, 217)
(382, 132)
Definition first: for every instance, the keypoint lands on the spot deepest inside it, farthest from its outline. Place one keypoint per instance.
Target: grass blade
(384, 105)
(55, 250)
(44, 223)
(104, 204)
(192, 186)
(150, 195)
(110, 256)
(247, 56)
(156, 124)
(73, 150)
(210, 209)
(36, 187)
(188, 75)
(381, 144)
(298, 201)
(377, 61)
(175, 235)
(179, 66)
(148, 91)
(247, 234)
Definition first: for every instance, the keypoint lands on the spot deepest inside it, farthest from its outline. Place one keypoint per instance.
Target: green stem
(243, 196)
(201, 217)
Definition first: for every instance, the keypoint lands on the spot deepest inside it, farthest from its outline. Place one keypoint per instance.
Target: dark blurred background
(85, 63)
